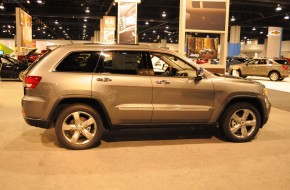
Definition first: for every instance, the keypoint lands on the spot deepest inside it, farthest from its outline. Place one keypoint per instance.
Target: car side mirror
(199, 73)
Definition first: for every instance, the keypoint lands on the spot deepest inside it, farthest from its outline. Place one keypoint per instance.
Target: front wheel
(240, 122)
(79, 127)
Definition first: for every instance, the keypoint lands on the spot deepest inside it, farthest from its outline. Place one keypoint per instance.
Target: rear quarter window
(79, 62)
(282, 62)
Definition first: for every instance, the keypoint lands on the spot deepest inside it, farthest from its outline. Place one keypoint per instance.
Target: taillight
(285, 67)
(32, 81)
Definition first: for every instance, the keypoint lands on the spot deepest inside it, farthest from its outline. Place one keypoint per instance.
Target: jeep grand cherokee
(84, 89)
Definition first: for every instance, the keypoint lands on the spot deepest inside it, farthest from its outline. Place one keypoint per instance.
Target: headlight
(265, 92)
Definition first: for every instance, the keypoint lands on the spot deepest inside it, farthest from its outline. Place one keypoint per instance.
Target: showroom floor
(30, 158)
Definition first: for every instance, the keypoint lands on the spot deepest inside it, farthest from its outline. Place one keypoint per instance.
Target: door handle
(104, 79)
(162, 82)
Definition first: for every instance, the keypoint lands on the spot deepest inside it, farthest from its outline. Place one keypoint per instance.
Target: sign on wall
(127, 22)
(206, 14)
(206, 48)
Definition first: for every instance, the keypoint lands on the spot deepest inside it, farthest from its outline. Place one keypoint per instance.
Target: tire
(240, 122)
(274, 76)
(79, 135)
(21, 75)
(280, 79)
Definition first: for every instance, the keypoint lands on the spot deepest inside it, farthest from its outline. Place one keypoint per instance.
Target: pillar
(234, 47)
(274, 42)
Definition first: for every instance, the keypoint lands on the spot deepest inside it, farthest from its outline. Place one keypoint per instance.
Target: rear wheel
(79, 127)
(274, 76)
(240, 122)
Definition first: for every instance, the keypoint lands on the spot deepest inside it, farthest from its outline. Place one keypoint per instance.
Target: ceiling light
(261, 32)
(286, 17)
(87, 10)
(147, 23)
(154, 31)
(2, 6)
(28, 1)
(60, 27)
(39, 1)
(85, 20)
(38, 28)
(164, 14)
(67, 29)
(43, 32)
(55, 22)
(233, 19)
(85, 26)
(278, 8)
(254, 28)
(167, 27)
(144, 34)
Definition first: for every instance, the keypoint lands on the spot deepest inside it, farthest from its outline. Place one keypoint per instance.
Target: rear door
(121, 84)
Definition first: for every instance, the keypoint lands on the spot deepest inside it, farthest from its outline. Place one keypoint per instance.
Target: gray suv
(84, 89)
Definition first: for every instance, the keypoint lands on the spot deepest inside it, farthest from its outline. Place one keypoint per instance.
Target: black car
(11, 69)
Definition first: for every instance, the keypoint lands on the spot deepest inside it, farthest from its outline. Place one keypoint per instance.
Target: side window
(262, 62)
(79, 62)
(170, 65)
(123, 62)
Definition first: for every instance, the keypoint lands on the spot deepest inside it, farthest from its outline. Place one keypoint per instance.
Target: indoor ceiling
(65, 19)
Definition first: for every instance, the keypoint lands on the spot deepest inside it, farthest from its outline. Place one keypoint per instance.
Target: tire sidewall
(225, 121)
(20, 74)
(74, 108)
(278, 76)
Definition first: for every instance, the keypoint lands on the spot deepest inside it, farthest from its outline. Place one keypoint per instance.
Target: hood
(234, 79)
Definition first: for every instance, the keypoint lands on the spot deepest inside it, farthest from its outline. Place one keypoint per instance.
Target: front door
(178, 97)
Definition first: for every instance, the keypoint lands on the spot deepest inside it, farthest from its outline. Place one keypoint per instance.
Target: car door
(249, 68)
(7, 69)
(180, 97)
(122, 87)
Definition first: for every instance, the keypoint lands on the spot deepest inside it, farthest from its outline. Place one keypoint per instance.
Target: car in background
(11, 68)
(234, 61)
(29, 57)
(275, 69)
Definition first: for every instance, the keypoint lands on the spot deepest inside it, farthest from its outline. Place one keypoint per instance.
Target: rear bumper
(36, 122)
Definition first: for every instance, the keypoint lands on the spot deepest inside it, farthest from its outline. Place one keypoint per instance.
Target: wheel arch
(251, 100)
(94, 103)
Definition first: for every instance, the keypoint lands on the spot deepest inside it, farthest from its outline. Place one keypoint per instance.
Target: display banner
(23, 30)
(206, 48)
(127, 22)
(109, 27)
(206, 14)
